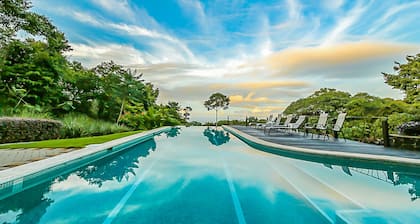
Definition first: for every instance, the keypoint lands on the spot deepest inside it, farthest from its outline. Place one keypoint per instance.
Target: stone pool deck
(15, 157)
(330, 145)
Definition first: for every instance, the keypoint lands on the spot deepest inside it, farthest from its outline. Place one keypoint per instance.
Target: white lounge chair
(274, 123)
(290, 126)
(270, 121)
(339, 124)
(320, 126)
(278, 125)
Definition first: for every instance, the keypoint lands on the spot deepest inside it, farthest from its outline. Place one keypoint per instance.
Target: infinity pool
(200, 175)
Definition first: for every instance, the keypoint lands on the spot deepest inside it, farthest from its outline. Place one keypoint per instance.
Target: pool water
(201, 175)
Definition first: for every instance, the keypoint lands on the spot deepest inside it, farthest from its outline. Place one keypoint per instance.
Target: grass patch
(69, 143)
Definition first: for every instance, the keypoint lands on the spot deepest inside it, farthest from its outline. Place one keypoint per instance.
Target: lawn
(68, 143)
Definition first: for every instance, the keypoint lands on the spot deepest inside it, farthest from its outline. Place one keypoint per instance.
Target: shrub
(27, 129)
(410, 128)
(152, 118)
(80, 125)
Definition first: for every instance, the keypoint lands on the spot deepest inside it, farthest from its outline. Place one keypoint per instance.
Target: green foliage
(31, 74)
(216, 102)
(324, 100)
(364, 112)
(152, 118)
(231, 122)
(194, 123)
(27, 112)
(81, 87)
(121, 88)
(37, 79)
(15, 17)
(26, 129)
(407, 79)
(79, 125)
(252, 119)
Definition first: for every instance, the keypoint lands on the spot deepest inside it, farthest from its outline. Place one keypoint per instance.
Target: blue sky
(263, 54)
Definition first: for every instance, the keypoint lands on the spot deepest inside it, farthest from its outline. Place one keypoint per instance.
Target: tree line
(37, 76)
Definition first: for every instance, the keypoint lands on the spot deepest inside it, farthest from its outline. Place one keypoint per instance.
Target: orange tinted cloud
(323, 56)
(260, 85)
(237, 99)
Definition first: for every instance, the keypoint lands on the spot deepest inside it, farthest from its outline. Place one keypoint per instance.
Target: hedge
(26, 129)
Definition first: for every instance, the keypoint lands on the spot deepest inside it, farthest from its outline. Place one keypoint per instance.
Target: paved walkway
(299, 140)
(15, 157)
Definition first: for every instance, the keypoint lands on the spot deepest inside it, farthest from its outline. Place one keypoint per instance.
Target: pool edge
(13, 178)
(392, 160)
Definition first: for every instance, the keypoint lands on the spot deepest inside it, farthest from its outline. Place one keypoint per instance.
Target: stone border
(19, 178)
(322, 153)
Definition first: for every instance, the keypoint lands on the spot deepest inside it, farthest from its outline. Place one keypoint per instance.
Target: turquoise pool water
(199, 175)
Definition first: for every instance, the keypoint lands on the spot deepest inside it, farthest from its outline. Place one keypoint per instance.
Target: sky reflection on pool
(200, 175)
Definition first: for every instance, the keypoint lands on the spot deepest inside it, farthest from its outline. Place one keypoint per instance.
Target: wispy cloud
(196, 9)
(92, 54)
(161, 43)
(343, 24)
(386, 18)
(332, 5)
(117, 7)
(239, 99)
(261, 85)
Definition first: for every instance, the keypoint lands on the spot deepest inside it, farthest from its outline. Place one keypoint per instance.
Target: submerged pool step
(320, 195)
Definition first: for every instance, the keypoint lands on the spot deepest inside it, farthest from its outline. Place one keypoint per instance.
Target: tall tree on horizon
(407, 79)
(216, 102)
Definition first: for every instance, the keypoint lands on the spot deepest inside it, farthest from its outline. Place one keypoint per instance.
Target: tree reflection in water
(30, 204)
(391, 177)
(413, 181)
(216, 137)
(117, 167)
(175, 131)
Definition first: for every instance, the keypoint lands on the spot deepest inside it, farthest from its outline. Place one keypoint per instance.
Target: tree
(31, 74)
(81, 87)
(186, 113)
(407, 79)
(324, 100)
(15, 17)
(216, 102)
(120, 88)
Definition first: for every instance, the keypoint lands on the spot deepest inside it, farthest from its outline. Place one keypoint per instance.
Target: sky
(263, 54)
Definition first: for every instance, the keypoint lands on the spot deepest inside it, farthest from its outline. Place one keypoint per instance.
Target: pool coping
(15, 176)
(322, 153)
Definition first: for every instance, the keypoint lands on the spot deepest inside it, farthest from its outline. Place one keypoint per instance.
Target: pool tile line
(236, 203)
(307, 198)
(116, 210)
(332, 188)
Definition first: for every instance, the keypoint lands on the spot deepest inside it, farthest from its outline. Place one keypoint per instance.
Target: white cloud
(392, 11)
(338, 34)
(332, 5)
(116, 7)
(91, 55)
(195, 8)
(164, 46)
